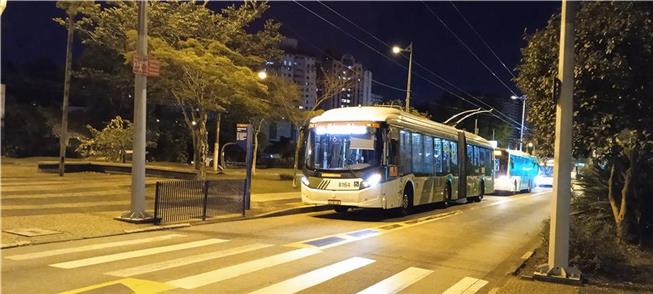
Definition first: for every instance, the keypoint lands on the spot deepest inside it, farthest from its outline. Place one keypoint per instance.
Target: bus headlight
(371, 181)
(305, 180)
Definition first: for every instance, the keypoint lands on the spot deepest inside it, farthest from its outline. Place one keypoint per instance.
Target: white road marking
(59, 194)
(132, 254)
(195, 281)
(64, 205)
(466, 285)
(315, 277)
(148, 268)
(91, 247)
(398, 281)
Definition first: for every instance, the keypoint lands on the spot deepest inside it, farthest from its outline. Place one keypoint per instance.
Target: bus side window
(446, 155)
(405, 153)
(437, 154)
(428, 155)
(454, 157)
(469, 160)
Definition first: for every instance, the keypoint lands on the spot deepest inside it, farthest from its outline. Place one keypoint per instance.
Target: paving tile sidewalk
(96, 224)
(56, 205)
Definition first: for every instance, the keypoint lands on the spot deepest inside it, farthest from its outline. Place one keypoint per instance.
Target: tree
(207, 55)
(73, 10)
(613, 99)
(613, 75)
(330, 86)
(634, 149)
(203, 79)
(111, 143)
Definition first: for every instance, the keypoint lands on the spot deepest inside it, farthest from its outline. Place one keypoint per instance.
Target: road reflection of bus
(380, 157)
(515, 171)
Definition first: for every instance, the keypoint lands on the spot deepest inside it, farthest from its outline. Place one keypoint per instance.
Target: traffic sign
(153, 66)
(146, 65)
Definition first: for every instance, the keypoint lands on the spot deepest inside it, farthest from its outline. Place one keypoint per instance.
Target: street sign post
(249, 158)
(242, 135)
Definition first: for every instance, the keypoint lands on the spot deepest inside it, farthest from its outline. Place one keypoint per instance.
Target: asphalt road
(466, 248)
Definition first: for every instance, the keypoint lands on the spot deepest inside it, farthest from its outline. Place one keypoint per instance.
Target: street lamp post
(523, 115)
(409, 49)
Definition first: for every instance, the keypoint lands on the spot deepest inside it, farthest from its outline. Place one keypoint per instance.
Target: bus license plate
(334, 202)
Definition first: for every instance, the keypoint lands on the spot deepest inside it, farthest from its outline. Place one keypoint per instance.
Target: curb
(293, 210)
(524, 259)
(282, 212)
(157, 228)
(16, 244)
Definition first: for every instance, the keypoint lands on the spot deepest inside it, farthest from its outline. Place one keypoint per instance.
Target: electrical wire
(482, 40)
(416, 63)
(444, 24)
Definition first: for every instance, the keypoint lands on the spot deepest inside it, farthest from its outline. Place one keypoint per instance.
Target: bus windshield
(500, 162)
(343, 148)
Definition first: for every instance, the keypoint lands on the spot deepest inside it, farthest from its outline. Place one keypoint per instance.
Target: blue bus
(514, 171)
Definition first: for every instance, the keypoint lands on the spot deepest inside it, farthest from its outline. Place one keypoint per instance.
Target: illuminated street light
(409, 49)
(262, 75)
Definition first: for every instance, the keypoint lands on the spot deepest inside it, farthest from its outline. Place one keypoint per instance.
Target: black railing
(196, 199)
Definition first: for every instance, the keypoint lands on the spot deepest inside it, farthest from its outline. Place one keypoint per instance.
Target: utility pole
(523, 115)
(137, 212)
(216, 146)
(557, 268)
(476, 126)
(410, 69)
(63, 137)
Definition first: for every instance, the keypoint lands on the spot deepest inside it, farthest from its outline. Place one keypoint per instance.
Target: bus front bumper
(365, 198)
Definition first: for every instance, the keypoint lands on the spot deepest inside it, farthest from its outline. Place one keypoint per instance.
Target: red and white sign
(146, 65)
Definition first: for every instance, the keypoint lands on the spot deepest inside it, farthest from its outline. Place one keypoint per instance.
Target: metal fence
(196, 199)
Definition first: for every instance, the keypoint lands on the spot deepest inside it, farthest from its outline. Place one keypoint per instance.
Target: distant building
(358, 92)
(300, 68)
(377, 98)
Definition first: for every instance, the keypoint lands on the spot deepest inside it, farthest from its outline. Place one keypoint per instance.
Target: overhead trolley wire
(444, 24)
(482, 40)
(415, 62)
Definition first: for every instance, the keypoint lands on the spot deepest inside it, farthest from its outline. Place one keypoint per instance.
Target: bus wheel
(530, 187)
(341, 209)
(407, 201)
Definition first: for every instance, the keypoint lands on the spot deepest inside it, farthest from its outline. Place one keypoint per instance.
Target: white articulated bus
(381, 157)
(515, 171)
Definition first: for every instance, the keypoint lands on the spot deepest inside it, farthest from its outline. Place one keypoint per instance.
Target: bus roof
(395, 116)
(516, 152)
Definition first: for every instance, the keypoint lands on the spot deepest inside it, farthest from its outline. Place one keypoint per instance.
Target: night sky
(28, 33)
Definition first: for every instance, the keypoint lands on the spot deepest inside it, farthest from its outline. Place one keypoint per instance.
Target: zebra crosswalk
(186, 263)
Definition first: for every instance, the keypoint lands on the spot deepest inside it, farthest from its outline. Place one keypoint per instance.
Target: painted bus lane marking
(334, 240)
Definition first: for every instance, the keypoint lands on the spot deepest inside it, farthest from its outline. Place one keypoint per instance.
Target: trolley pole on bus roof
(558, 268)
(137, 211)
